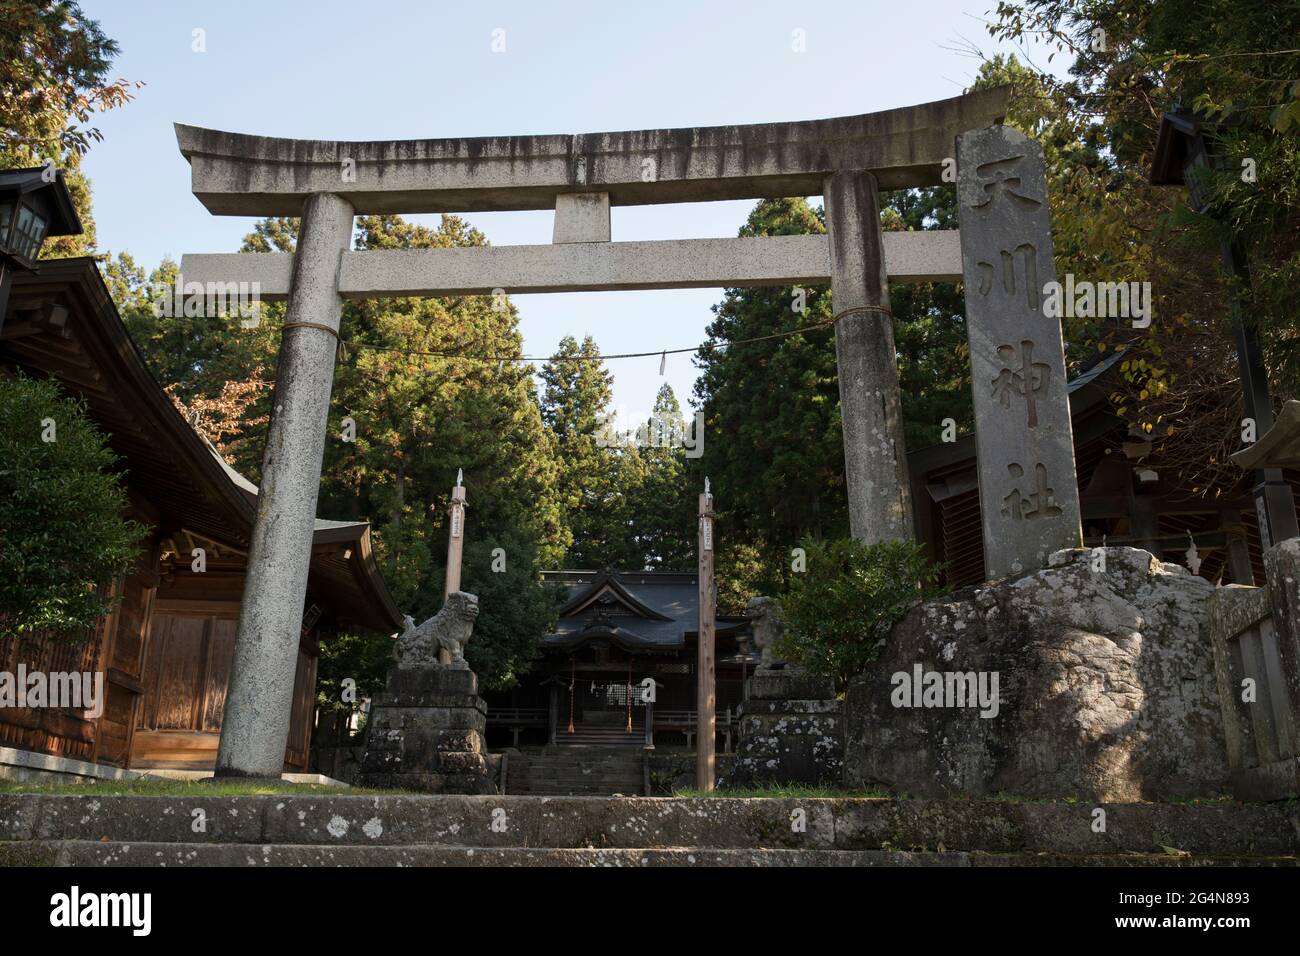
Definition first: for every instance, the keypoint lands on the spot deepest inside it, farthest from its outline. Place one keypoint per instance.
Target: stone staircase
(320, 830)
(576, 770)
(603, 730)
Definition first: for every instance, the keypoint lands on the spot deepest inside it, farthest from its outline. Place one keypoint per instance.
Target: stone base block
(432, 685)
(789, 742)
(426, 733)
(1092, 679)
(789, 684)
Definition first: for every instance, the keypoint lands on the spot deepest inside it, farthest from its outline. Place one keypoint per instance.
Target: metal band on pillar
(863, 310)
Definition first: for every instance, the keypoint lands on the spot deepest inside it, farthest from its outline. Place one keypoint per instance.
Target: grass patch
(162, 787)
(802, 793)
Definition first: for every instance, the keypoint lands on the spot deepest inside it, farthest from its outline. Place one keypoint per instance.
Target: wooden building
(166, 648)
(616, 629)
(1127, 497)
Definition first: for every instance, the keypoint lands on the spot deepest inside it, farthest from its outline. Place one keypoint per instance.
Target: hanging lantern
(34, 204)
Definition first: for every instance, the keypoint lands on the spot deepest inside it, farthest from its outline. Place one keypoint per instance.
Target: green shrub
(840, 610)
(63, 535)
(364, 658)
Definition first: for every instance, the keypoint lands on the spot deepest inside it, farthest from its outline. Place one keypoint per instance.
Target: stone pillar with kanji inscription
(1029, 494)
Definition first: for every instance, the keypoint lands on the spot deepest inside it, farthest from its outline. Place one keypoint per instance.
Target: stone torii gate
(1028, 492)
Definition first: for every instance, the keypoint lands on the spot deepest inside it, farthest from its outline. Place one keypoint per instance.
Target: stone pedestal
(426, 733)
(791, 731)
(1090, 680)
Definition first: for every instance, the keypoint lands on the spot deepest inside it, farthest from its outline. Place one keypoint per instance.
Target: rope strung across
(345, 344)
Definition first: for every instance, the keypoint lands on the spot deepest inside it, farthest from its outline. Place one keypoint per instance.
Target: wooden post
(455, 546)
(1238, 556)
(455, 537)
(705, 696)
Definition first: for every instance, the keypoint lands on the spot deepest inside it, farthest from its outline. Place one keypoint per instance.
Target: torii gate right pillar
(875, 456)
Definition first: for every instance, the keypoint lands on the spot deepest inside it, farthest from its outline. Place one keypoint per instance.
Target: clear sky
(404, 69)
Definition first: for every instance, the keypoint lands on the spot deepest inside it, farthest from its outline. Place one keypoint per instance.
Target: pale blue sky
(398, 69)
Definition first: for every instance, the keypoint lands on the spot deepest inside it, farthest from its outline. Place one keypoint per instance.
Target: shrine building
(616, 631)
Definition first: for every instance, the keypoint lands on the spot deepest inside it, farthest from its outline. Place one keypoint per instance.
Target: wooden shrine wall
(187, 669)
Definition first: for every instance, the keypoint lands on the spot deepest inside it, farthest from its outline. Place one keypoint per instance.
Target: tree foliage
(64, 539)
(54, 75)
(517, 608)
(662, 507)
(775, 450)
(1133, 60)
(771, 409)
(839, 613)
(420, 416)
(600, 471)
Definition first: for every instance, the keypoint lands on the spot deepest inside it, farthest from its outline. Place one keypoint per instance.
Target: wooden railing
(678, 721)
(517, 716)
(687, 722)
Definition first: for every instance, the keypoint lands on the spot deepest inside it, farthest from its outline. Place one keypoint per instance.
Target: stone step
(598, 741)
(550, 781)
(596, 771)
(580, 778)
(575, 778)
(540, 777)
(1220, 829)
(85, 853)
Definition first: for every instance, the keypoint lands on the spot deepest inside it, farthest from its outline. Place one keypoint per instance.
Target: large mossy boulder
(1104, 678)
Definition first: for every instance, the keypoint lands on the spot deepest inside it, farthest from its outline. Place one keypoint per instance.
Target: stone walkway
(638, 831)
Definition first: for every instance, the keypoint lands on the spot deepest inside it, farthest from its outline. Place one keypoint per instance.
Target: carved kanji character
(1039, 503)
(1028, 381)
(1028, 256)
(1001, 177)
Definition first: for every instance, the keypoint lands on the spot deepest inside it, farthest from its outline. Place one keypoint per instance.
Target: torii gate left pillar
(255, 727)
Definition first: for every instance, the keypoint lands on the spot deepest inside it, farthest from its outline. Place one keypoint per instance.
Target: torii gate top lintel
(244, 175)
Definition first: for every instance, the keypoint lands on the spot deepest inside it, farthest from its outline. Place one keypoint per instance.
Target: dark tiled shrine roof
(639, 611)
